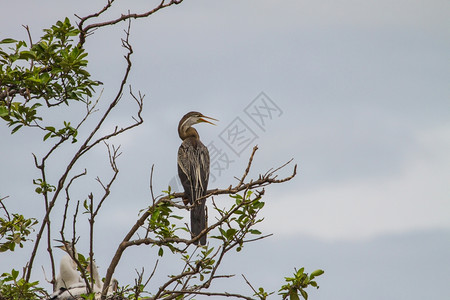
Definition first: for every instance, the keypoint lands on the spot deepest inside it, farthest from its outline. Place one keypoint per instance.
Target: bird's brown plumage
(193, 170)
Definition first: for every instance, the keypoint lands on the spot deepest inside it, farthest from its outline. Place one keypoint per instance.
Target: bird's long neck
(189, 132)
(72, 252)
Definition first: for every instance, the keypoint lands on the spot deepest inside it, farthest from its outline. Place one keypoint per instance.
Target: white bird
(98, 284)
(76, 292)
(68, 274)
(70, 285)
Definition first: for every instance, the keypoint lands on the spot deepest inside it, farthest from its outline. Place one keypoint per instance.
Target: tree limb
(88, 29)
(266, 179)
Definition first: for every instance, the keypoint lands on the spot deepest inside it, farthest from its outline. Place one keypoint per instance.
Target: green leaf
(304, 294)
(3, 111)
(293, 295)
(81, 258)
(230, 233)
(316, 273)
(14, 274)
(27, 55)
(85, 205)
(217, 237)
(16, 128)
(8, 41)
(47, 135)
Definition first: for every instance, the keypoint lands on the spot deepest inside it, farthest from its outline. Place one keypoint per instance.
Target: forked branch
(86, 30)
(263, 180)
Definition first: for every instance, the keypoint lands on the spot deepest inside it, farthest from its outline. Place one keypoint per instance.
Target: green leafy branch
(298, 284)
(52, 70)
(15, 231)
(43, 187)
(13, 287)
(63, 133)
(244, 217)
(14, 228)
(160, 226)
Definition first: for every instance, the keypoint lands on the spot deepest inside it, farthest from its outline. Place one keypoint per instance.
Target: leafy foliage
(160, 226)
(43, 187)
(244, 216)
(298, 284)
(13, 287)
(52, 70)
(15, 231)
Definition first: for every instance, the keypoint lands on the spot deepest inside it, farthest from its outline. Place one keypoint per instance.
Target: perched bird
(70, 285)
(98, 284)
(193, 169)
(75, 292)
(68, 274)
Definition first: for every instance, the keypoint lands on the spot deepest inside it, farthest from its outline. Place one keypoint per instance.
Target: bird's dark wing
(193, 170)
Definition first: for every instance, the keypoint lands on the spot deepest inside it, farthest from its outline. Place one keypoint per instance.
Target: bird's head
(194, 117)
(66, 246)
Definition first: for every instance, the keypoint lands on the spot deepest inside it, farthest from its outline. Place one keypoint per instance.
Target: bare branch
(113, 154)
(95, 15)
(253, 289)
(66, 207)
(225, 294)
(88, 29)
(4, 207)
(248, 166)
(153, 272)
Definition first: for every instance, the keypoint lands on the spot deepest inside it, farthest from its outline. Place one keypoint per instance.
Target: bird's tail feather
(198, 221)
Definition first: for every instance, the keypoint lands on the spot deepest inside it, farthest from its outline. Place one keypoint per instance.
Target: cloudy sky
(356, 92)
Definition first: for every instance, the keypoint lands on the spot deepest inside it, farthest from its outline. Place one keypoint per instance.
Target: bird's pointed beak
(202, 119)
(63, 246)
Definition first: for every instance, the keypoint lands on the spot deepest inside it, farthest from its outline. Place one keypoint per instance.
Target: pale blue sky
(363, 90)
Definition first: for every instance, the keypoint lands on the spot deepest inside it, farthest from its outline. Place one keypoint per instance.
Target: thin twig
(4, 207)
(153, 272)
(249, 284)
(66, 207)
(248, 166)
(91, 236)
